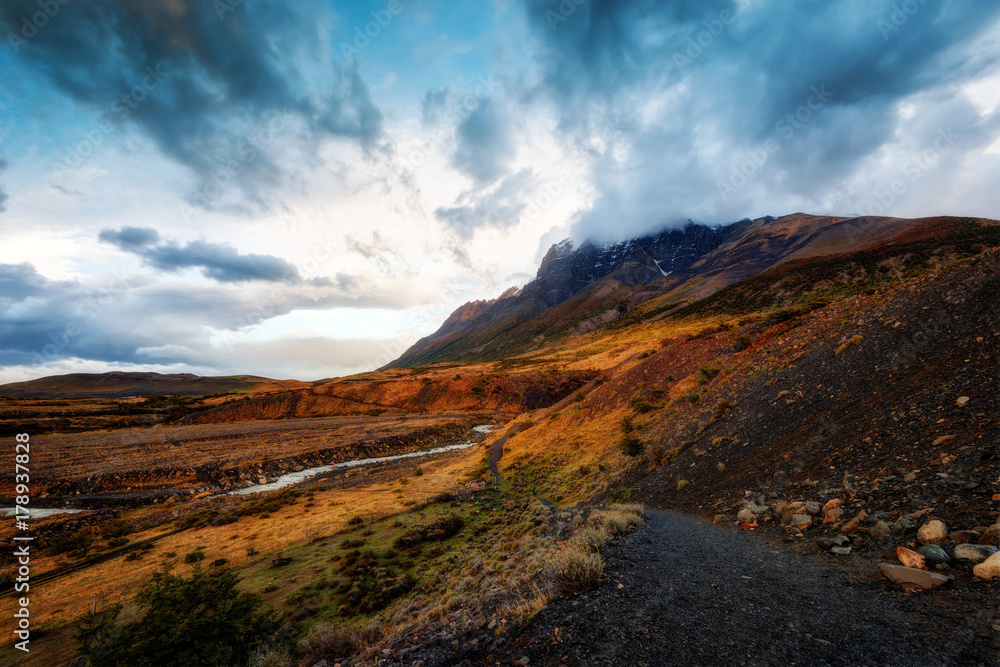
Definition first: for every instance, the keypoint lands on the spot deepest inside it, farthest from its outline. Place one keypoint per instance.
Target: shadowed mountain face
(581, 288)
(118, 384)
(592, 282)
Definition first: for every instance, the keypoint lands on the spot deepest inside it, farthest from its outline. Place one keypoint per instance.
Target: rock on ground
(910, 576)
(933, 532)
(989, 568)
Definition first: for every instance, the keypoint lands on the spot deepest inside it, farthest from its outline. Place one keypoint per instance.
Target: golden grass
(71, 596)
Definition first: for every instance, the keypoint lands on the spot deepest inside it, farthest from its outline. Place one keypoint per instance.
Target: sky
(302, 189)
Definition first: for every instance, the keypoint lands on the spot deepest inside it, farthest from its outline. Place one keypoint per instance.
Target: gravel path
(695, 594)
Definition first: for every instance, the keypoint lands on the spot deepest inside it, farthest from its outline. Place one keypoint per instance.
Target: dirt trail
(695, 594)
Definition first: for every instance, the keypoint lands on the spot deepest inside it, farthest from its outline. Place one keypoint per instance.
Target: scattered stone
(492, 624)
(933, 532)
(880, 531)
(962, 400)
(910, 558)
(943, 439)
(989, 568)
(841, 541)
(321, 663)
(909, 576)
(745, 515)
(824, 543)
(721, 466)
(963, 536)
(832, 504)
(932, 553)
(840, 551)
(801, 521)
(991, 535)
(812, 507)
(524, 660)
(852, 525)
(971, 554)
(909, 477)
(902, 526)
(833, 515)
(720, 518)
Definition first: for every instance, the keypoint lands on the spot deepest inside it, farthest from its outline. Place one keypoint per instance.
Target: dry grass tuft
(577, 569)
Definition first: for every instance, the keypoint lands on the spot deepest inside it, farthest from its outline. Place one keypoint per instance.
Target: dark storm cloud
(217, 261)
(693, 88)
(485, 144)
(497, 208)
(203, 83)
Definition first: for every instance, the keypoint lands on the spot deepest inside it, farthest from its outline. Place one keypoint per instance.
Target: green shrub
(708, 372)
(195, 556)
(116, 542)
(116, 528)
(632, 445)
(203, 620)
(641, 405)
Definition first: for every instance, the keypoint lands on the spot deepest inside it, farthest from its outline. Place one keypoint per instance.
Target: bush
(632, 446)
(203, 620)
(334, 644)
(437, 531)
(576, 570)
(194, 557)
(418, 472)
(627, 425)
(708, 372)
(116, 528)
(641, 405)
(743, 341)
(657, 454)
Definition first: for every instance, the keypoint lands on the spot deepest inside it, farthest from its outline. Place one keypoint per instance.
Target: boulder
(746, 516)
(971, 554)
(910, 558)
(933, 532)
(801, 521)
(832, 504)
(880, 531)
(852, 525)
(934, 554)
(991, 535)
(720, 518)
(811, 507)
(824, 543)
(910, 577)
(840, 551)
(989, 568)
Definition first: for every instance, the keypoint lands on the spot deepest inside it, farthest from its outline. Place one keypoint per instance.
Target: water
(296, 477)
(39, 512)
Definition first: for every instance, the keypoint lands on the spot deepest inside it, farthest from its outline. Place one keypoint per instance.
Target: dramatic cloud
(485, 144)
(126, 320)
(211, 83)
(219, 262)
(715, 110)
(433, 105)
(499, 207)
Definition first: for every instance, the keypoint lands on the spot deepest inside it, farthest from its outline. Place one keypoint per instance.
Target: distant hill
(118, 384)
(582, 288)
